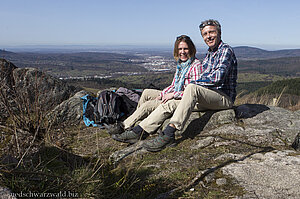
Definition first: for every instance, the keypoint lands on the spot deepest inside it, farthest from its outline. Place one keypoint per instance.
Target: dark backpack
(109, 108)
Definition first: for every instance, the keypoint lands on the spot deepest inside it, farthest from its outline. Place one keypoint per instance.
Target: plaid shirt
(191, 76)
(219, 70)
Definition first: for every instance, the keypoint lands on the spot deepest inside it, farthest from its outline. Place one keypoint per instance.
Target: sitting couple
(209, 85)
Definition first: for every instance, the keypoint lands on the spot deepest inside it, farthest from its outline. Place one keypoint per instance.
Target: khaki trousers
(194, 98)
(146, 105)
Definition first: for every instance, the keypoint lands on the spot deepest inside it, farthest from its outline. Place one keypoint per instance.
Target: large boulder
(26, 96)
(264, 163)
(272, 175)
(30, 88)
(41, 87)
(256, 124)
(69, 112)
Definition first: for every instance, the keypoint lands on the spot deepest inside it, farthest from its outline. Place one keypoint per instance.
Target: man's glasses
(208, 23)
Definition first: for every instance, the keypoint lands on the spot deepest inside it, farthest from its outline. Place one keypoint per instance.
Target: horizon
(261, 24)
(108, 48)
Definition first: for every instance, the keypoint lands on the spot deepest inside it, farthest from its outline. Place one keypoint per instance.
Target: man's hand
(167, 97)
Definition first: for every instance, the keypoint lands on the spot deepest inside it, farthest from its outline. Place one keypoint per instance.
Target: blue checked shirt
(219, 70)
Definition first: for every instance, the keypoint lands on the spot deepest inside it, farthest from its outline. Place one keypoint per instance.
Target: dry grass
(291, 102)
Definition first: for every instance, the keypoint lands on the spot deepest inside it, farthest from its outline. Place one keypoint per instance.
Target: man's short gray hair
(210, 22)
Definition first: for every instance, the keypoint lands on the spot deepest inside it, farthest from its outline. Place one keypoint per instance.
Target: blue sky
(268, 24)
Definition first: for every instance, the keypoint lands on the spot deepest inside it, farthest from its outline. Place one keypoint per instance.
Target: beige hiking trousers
(194, 98)
(146, 105)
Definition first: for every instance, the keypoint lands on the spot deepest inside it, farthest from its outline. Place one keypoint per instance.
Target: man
(213, 90)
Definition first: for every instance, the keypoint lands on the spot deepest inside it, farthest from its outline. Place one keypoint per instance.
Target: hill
(279, 66)
(77, 64)
(288, 86)
(283, 93)
(246, 52)
(253, 53)
(4, 53)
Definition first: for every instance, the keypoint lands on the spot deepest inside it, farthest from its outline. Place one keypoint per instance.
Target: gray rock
(272, 175)
(207, 120)
(26, 92)
(221, 181)
(136, 148)
(257, 125)
(29, 89)
(69, 112)
(267, 127)
(209, 178)
(36, 85)
(229, 156)
(203, 143)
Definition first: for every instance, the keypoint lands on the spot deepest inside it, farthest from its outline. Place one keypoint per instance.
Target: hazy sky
(268, 24)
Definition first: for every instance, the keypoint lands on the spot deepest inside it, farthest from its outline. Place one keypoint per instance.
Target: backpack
(130, 98)
(109, 108)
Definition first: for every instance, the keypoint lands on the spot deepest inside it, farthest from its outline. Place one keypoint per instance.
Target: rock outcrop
(34, 83)
(272, 172)
(26, 96)
(30, 87)
(271, 175)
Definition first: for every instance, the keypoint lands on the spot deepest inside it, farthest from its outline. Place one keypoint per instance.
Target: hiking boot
(158, 143)
(129, 136)
(116, 128)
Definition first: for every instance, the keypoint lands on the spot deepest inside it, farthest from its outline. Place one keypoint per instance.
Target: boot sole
(159, 149)
(131, 141)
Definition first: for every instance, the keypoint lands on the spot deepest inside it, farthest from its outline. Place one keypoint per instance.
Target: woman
(188, 69)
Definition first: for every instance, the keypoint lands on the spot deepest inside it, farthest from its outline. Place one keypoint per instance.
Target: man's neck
(215, 48)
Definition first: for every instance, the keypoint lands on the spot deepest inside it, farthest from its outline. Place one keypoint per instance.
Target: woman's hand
(167, 97)
(158, 97)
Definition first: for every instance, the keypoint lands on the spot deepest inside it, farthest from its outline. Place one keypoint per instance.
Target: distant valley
(257, 69)
(103, 64)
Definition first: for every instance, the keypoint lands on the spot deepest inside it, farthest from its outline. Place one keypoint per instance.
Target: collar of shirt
(214, 52)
